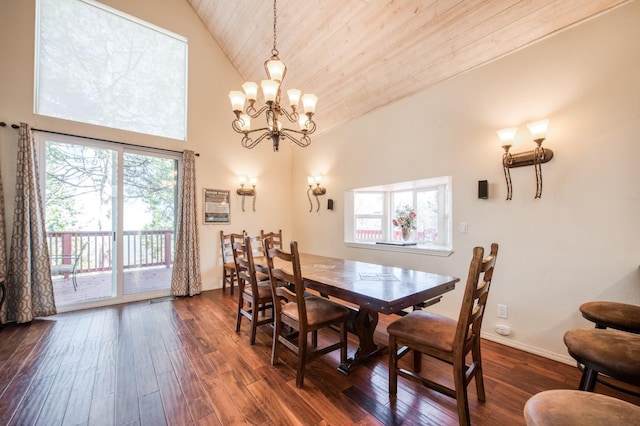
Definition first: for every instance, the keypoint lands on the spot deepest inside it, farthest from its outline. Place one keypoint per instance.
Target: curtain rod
(15, 126)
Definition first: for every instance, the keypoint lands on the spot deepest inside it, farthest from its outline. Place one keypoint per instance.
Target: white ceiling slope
(359, 55)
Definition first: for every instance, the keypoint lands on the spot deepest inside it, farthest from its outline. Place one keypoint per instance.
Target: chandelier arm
(309, 197)
(303, 142)
(247, 142)
(235, 124)
(253, 113)
(293, 117)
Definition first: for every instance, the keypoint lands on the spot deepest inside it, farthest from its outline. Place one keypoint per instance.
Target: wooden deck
(97, 286)
(180, 362)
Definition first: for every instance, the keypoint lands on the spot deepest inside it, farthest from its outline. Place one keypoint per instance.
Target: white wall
(211, 77)
(580, 242)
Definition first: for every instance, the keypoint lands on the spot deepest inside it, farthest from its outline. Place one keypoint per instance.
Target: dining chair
(276, 237)
(446, 339)
(300, 313)
(254, 296)
(228, 265)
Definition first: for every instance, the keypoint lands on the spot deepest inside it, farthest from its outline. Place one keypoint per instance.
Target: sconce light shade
(538, 129)
(507, 135)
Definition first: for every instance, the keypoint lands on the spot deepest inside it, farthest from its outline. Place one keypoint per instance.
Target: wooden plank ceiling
(359, 55)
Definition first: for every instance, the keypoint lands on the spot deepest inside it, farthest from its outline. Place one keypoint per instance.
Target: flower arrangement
(405, 217)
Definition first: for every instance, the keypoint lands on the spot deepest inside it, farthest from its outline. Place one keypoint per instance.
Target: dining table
(371, 289)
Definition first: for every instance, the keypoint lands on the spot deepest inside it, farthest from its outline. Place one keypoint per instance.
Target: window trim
(446, 217)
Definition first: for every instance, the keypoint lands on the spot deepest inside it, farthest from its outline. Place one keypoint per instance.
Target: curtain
(29, 286)
(3, 254)
(185, 279)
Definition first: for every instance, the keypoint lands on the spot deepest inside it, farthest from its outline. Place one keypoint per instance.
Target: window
(100, 66)
(370, 212)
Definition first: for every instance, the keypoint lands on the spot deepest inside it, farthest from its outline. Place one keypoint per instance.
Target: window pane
(368, 203)
(402, 198)
(101, 67)
(427, 210)
(368, 229)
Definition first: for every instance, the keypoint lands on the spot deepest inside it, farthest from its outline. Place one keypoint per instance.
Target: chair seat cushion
(319, 310)
(230, 265)
(620, 316)
(261, 276)
(612, 352)
(573, 407)
(425, 328)
(264, 291)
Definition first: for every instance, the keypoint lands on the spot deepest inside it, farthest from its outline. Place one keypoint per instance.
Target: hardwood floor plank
(55, 404)
(151, 410)
(223, 405)
(79, 405)
(127, 403)
(27, 412)
(103, 411)
(181, 362)
(173, 400)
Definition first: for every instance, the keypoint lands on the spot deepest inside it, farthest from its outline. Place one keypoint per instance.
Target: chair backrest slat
(287, 271)
(475, 296)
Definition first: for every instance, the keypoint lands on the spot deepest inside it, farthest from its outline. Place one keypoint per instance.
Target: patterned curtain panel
(29, 286)
(185, 279)
(3, 253)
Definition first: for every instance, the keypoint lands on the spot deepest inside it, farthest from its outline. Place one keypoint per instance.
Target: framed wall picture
(216, 206)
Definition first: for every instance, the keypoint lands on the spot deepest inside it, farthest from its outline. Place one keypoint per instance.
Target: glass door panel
(80, 196)
(149, 205)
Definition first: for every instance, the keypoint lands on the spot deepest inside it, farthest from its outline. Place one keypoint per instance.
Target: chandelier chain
(274, 51)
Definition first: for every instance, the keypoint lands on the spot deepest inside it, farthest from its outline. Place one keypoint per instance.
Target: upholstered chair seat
(573, 407)
(620, 316)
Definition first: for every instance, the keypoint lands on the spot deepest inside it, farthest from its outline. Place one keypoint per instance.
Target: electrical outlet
(503, 330)
(502, 311)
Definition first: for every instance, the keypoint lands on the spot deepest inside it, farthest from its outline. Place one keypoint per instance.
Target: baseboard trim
(565, 359)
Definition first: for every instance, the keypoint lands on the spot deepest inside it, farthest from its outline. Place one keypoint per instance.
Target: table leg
(362, 323)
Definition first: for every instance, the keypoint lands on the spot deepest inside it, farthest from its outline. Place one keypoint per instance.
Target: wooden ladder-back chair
(253, 296)
(446, 339)
(275, 237)
(303, 313)
(228, 265)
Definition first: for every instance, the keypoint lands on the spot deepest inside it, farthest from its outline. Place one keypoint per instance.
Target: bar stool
(572, 407)
(620, 316)
(611, 352)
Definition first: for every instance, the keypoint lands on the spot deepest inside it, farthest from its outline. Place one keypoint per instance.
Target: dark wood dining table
(373, 289)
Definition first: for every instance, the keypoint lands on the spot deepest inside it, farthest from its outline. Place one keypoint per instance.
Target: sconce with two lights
(318, 190)
(247, 192)
(533, 158)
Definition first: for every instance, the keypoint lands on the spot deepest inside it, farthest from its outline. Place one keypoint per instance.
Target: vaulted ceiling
(359, 55)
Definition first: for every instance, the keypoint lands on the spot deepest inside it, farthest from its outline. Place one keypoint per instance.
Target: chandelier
(274, 112)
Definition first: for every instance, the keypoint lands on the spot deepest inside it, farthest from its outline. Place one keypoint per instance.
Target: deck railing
(376, 235)
(140, 249)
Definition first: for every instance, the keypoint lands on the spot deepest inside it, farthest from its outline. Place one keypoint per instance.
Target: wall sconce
(318, 190)
(246, 192)
(533, 158)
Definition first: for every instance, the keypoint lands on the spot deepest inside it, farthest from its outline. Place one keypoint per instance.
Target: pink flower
(412, 215)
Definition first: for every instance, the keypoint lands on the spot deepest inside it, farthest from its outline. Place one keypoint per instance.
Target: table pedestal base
(362, 323)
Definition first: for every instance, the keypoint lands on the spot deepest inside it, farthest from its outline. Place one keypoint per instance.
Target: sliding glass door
(150, 200)
(110, 213)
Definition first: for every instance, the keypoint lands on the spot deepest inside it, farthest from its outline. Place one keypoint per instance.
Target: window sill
(424, 249)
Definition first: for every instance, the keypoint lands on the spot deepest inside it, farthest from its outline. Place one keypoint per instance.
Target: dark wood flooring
(180, 362)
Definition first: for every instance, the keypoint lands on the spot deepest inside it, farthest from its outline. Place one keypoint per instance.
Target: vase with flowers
(405, 219)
